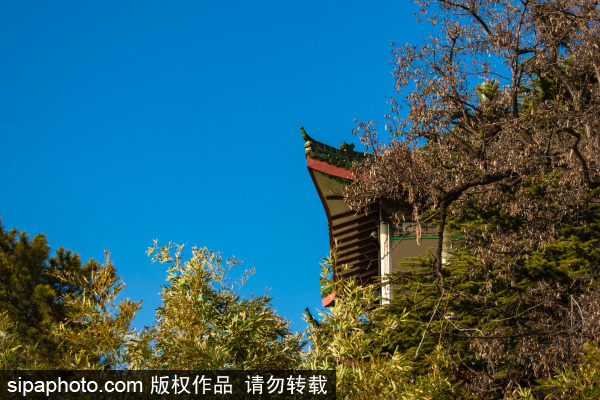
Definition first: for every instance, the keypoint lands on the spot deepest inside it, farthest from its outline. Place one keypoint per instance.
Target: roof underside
(356, 234)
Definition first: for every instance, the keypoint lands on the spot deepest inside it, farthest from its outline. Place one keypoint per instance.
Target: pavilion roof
(342, 157)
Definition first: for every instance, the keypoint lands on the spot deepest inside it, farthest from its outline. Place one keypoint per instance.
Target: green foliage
(78, 321)
(580, 383)
(352, 337)
(98, 333)
(511, 325)
(31, 292)
(13, 354)
(203, 323)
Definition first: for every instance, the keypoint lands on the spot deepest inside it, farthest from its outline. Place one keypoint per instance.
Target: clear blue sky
(127, 121)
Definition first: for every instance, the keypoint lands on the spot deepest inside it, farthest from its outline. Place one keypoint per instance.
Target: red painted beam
(329, 169)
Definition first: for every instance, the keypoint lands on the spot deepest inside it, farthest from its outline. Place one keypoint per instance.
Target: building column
(446, 247)
(384, 248)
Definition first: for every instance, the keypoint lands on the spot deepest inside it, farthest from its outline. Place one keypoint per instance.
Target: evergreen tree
(31, 293)
(515, 324)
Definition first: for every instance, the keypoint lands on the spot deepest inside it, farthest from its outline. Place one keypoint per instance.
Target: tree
(352, 337)
(204, 323)
(510, 166)
(30, 292)
(98, 333)
(577, 383)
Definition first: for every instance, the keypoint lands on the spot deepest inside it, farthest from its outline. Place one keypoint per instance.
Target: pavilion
(367, 241)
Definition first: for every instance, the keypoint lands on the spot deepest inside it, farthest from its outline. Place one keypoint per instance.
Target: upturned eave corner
(342, 157)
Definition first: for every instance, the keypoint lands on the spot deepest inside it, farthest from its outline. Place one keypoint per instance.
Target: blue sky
(123, 122)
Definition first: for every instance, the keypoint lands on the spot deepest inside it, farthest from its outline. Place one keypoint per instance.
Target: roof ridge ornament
(347, 146)
(343, 156)
(305, 135)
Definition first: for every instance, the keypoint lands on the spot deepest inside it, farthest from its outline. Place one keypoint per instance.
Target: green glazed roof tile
(343, 157)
